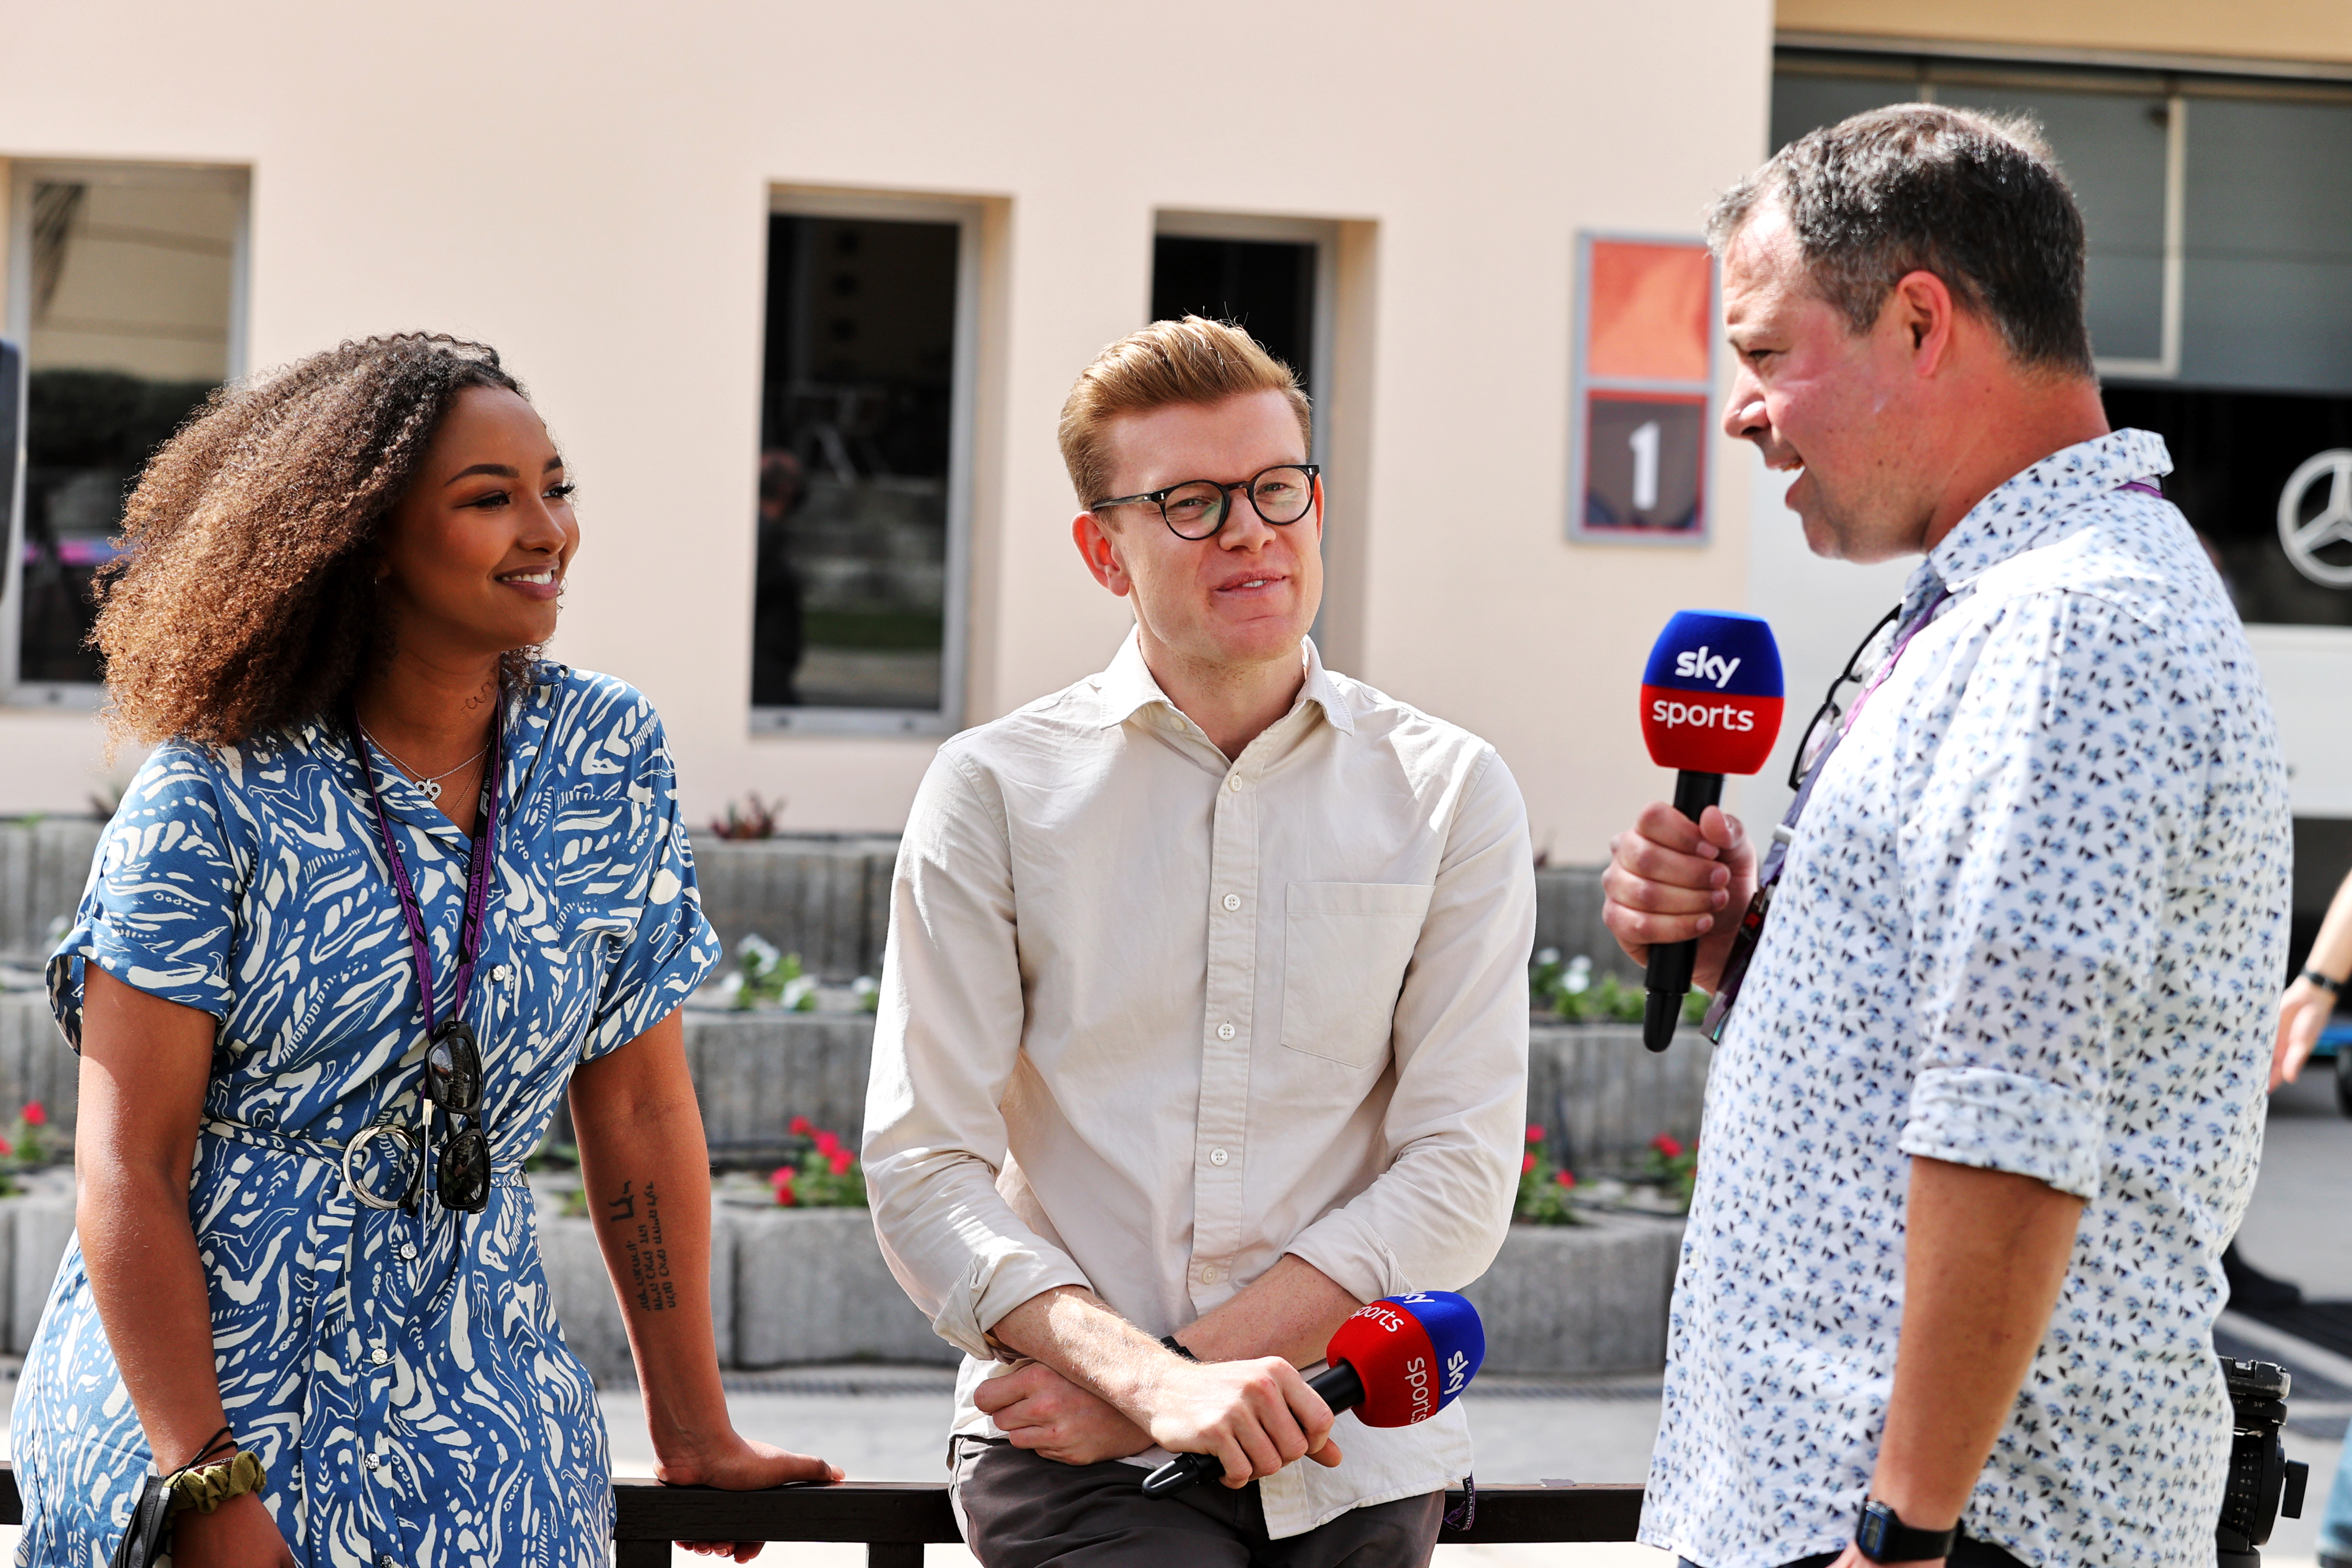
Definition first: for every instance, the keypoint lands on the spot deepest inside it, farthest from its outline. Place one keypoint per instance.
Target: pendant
(431, 788)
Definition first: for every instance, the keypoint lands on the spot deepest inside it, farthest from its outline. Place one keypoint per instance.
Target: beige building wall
(587, 186)
(2251, 30)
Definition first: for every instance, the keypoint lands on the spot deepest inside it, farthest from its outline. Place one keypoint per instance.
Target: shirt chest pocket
(1345, 946)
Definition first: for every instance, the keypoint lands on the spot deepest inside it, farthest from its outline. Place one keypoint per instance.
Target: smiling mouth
(542, 577)
(1238, 585)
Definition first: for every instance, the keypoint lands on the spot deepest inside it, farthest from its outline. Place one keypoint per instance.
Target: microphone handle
(1669, 975)
(1341, 1390)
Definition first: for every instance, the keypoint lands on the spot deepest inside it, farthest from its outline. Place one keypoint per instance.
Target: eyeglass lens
(453, 1070)
(1197, 509)
(453, 1080)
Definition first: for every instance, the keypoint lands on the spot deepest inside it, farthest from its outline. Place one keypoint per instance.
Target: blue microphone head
(1711, 693)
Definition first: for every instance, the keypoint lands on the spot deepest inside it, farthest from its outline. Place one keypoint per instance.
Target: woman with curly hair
(390, 884)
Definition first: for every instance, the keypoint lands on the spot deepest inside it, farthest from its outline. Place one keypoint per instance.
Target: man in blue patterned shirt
(1988, 1096)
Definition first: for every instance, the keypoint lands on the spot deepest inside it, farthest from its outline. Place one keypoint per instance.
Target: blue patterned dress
(401, 1376)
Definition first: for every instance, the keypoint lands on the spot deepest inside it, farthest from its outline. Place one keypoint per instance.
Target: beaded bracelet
(205, 1489)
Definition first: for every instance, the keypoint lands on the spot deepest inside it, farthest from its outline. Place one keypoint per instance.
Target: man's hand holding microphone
(1671, 880)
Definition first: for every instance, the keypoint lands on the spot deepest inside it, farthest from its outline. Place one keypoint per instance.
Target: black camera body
(2264, 1482)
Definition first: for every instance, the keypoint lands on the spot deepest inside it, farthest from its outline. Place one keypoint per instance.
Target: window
(1275, 277)
(126, 291)
(864, 507)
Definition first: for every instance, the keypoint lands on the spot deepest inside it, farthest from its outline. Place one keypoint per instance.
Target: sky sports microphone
(1710, 706)
(1398, 1361)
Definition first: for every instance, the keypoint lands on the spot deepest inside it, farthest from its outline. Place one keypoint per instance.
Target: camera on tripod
(2264, 1482)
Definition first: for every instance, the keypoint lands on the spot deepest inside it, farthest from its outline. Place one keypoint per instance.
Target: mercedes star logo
(2304, 537)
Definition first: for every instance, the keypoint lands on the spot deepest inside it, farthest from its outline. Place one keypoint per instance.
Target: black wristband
(1173, 1343)
(2333, 987)
(1883, 1537)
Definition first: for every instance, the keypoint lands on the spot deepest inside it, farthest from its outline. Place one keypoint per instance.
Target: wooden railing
(896, 1519)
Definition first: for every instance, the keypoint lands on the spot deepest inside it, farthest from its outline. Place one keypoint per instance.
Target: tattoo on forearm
(641, 1241)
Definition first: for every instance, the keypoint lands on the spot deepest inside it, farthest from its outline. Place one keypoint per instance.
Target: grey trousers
(1019, 1511)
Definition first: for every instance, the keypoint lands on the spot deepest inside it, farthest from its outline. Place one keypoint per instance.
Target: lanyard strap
(479, 872)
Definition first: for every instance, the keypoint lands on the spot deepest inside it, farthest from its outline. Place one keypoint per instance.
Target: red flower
(1667, 1144)
(1565, 1179)
(1527, 1164)
(35, 1115)
(828, 1144)
(841, 1160)
(1535, 1133)
(801, 1126)
(6, 1147)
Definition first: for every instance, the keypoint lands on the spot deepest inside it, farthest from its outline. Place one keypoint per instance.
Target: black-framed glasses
(1824, 727)
(453, 1081)
(1197, 509)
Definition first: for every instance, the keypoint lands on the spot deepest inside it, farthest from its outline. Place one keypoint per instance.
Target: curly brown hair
(244, 603)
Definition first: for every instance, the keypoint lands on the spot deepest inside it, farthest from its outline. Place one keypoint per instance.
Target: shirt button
(1232, 902)
(372, 1462)
(1210, 1276)
(1234, 783)
(499, 973)
(380, 1355)
(1225, 1031)
(408, 1250)
(1218, 1156)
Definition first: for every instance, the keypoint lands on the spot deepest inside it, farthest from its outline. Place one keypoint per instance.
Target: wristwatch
(2333, 987)
(1883, 1537)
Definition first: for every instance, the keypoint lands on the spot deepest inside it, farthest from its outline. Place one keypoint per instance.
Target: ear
(1922, 309)
(1100, 554)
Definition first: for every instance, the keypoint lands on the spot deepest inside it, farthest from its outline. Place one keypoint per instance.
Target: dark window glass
(856, 425)
(2233, 454)
(1265, 286)
(131, 282)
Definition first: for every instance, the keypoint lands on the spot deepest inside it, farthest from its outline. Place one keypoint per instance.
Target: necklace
(431, 787)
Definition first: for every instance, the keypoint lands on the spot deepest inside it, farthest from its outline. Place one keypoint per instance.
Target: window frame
(16, 324)
(955, 633)
(1323, 234)
(1583, 385)
(1926, 71)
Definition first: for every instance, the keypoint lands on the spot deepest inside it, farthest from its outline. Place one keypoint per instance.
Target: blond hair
(1192, 361)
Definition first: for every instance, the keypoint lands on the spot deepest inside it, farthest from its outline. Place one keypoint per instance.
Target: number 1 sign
(1644, 374)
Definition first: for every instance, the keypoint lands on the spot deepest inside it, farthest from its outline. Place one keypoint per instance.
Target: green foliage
(822, 1175)
(867, 992)
(1544, 1187)
(756, 820)
(1568, 990)
(765, 976)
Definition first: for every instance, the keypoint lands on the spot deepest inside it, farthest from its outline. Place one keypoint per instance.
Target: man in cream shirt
(1203, 1023)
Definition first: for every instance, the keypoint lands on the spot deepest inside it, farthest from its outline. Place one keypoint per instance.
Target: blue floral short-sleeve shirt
(399, 1373)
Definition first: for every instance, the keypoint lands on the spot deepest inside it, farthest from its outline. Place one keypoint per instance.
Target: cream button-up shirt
(1151, 1019)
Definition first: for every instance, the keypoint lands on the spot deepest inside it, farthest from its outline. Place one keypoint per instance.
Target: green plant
(756, 820)
(1544, 1187)
(762, 975)
(823, 1174)
(1569, 990)
(866, 992)
(25, 1147)
(1674, 1167)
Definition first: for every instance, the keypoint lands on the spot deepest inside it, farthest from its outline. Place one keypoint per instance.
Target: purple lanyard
(479, 872)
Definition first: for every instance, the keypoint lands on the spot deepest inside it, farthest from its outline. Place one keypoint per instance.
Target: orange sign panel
(1652, 308)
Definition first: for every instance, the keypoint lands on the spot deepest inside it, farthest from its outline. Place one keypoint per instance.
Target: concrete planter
(1580, 1298)
(811, 1285)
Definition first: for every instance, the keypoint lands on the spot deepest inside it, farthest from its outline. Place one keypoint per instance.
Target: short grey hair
(1977, 199)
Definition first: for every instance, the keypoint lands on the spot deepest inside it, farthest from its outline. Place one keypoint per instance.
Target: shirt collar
(2029, 509)
(1128, 687)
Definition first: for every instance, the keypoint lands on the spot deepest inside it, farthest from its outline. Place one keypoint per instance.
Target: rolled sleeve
(946, 1041)
(661, 956)
(1434, 1218)
(160, 912)
(1970, 1115)
(2040, 871)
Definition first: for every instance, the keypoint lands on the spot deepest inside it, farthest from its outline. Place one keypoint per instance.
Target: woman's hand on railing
(738, 1464)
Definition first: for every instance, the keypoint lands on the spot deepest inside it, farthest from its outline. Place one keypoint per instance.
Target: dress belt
(510, 1174)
